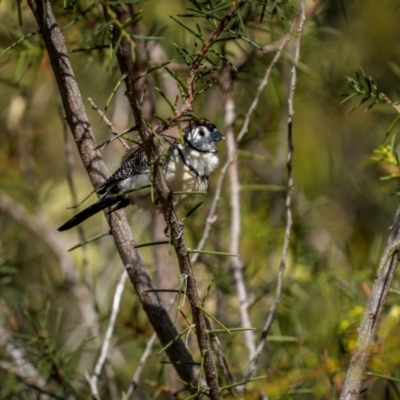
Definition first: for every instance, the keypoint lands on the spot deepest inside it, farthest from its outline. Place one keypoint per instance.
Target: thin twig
(289, 221)
(107, 337)
(109, 124)
(236, 263)
(136, 377)
(147, 351)
(188, 106)
(386, 99)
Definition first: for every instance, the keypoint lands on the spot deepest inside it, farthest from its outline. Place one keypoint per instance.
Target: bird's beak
(216, 135)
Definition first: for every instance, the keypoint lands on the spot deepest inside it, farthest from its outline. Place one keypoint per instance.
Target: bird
(190, 156)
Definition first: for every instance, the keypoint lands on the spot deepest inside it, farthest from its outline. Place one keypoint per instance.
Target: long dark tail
(94, 209)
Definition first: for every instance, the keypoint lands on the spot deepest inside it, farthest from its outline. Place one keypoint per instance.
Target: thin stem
(136, 377)
(288, 203)
(235, 230)
(107, 337)
(109, 124)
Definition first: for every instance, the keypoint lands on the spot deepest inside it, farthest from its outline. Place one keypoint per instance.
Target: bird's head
(202, 135)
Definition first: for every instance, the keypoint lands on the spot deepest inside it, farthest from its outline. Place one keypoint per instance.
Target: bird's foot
(181, 226)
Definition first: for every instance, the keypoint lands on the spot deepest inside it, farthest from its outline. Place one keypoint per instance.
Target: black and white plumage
(186, 167)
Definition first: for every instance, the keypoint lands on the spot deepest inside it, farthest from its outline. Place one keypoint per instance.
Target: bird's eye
(201, 132)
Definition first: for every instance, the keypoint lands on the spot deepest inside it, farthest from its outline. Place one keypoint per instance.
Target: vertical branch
(97, 171)
(288, 203)
(233, 172)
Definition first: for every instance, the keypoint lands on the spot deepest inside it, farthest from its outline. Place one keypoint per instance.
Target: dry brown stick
(288, 202)
(374, 309)
(134, 383)
(373, 313)
(97, 171)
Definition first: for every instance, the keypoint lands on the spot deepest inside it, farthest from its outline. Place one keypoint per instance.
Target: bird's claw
(181, 226)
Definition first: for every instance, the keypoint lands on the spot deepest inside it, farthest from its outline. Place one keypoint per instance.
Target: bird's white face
(203, 137)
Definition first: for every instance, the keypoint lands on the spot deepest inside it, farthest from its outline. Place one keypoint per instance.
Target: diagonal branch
(97, 171)
(151, 147)
(374, 309)
(188, 106)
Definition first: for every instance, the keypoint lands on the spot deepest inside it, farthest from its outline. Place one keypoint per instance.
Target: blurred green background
(342, 209)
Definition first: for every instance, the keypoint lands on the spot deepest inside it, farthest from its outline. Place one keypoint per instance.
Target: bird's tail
(100, 205)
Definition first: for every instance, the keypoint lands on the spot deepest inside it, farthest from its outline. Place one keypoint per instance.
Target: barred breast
(181, 176)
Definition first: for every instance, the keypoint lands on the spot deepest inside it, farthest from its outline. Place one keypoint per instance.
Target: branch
(233, 170)
(107, 337)
(97, 171)
(367, 332)
(188, 106)
(151, 148)
(135, 380)
(289, 221)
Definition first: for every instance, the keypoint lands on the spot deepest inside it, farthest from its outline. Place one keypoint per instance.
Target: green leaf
(29, 35)
(167, 100)
(138, 246)
(200, 37)
(213, 318)
(91, 240)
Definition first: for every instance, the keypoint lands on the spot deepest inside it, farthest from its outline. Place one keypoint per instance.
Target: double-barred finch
(186, 168)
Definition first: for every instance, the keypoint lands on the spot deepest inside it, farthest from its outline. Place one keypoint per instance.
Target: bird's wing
(133, 163)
